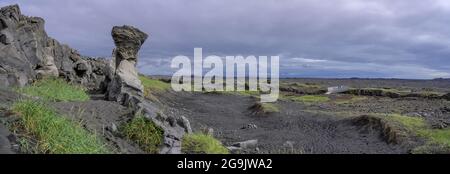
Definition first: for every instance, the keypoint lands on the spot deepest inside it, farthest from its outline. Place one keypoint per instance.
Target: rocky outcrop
(126, 88)
(28, 53)
(125, 82)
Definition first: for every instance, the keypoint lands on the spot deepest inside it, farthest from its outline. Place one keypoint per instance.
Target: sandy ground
(311, 128)
(290, 131)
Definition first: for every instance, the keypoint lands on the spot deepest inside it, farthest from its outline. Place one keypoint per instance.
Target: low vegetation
(270, 108)
(353, 99)
(264, 108)
(435, 137)
(199, 143)
(53, 133)
(145, 133)
(153, 86)
(308, 98)
(307, 85)
(54, 89)
(395, 93)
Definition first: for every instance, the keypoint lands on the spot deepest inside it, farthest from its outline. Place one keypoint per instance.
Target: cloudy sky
(314, 38)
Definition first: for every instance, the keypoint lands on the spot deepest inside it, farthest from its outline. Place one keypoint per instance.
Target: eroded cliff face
(27, 53)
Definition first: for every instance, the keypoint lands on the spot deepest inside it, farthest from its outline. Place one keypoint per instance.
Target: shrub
(200, 143)
(145, 133)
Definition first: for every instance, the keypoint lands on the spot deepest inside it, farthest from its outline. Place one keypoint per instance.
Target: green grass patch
(306, 85)
(270, 108)
(435, 137)
(153, 86)
(145, 133)
(53, 89)
(353, 99)
(54, 133)
(199, 143)
(308, 98)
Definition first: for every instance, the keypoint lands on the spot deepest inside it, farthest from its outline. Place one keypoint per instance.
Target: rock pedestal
(126, 88)
(125, 83)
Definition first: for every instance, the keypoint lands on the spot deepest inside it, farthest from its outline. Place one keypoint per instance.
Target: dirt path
(290, 131)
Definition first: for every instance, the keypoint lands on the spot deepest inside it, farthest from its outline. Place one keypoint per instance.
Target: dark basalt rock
(29, 53)
(124, 76)
(126, 88)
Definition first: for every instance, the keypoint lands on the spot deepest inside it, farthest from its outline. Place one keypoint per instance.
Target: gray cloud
(366, 38)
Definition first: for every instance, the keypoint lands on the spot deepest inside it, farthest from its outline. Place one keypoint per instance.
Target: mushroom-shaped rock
(125, 82)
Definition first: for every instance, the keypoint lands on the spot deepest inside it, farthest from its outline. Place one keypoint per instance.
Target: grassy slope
(153, 86)
(53, 89)
(419, 127)
(54, 133)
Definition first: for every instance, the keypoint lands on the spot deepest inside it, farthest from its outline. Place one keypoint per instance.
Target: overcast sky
(314, 38)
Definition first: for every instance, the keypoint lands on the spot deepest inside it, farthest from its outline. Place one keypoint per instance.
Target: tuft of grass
(54, 89)
(55, 134)
(199, 143)
(264, 108)
(145, 133)
(309, 98)
(269, 108)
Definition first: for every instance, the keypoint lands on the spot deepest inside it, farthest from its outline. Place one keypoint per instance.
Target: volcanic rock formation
(27, 53)
(125, 81)
(126, 88)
